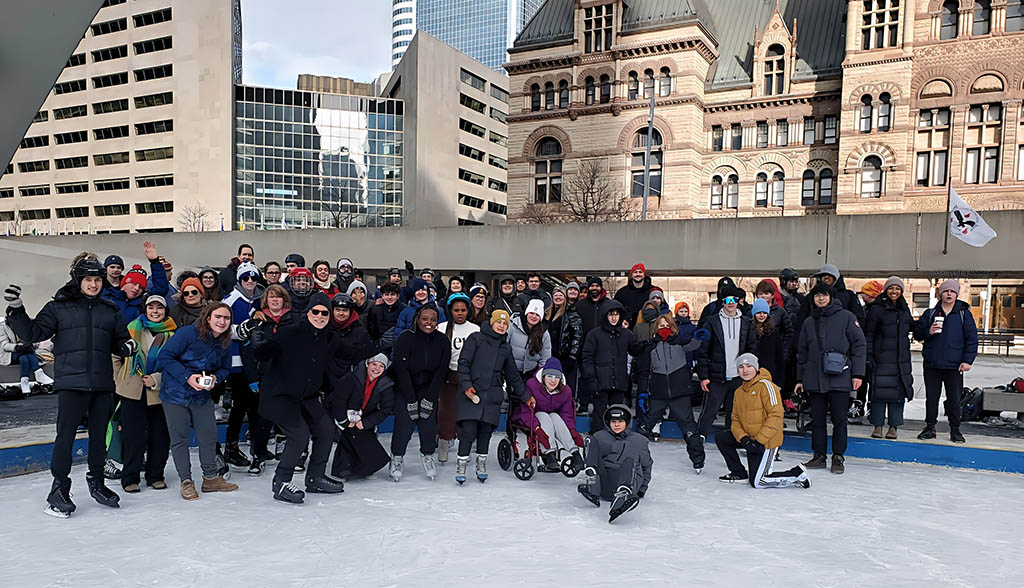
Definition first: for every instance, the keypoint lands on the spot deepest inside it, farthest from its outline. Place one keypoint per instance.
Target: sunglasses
(316, 312)
(248, 278)
(730, 300)
(191, 292)
(273, 272)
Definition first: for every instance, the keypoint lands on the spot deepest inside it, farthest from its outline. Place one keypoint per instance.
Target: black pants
(245, 403)
(570, 372)
(298, 434)
(72, 407)
(143, 435)
(609, 479)
(719, 394)
(359, 454)
(472, 430)
(934, 381)
(836, 404)
(681, 412)
(602, 400)
(759, 463)
(404, 425)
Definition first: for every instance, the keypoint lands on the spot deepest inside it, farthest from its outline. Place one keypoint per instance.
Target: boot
(58, 502)
(234, 456)
(838, 464)
(257, 466)
(481, 467)
(323, 485)
(42, 378)
(461, 464)
(550, 462)
(443, 446)
(395, 472)
(577, 459)
(218, 484)
(426, 409)
(429, 467)
(817, 462)
(876, 433)
(101, 493)
(891, 433)
(26, 386)
(927, 433)
(111, 471)
(287, 492)
(955, 436)
(592, 498)
(188, 490)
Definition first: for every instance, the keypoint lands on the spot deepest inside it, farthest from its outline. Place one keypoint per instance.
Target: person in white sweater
(457, 329)
(14, 351)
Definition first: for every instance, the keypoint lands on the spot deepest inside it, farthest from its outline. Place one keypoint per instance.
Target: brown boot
(188, 490)
(877, 433)
(218, 484)
(891, 433)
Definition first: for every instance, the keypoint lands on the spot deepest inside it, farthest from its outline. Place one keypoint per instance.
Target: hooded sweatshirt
(731, 330)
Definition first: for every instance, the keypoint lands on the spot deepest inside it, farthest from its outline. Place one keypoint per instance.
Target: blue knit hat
(760, 305)
(418, 284)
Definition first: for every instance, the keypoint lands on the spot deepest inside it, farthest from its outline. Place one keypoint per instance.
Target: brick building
(770, 108)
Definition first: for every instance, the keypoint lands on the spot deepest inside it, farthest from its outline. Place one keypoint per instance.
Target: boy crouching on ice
(618, 464)
(757, 427)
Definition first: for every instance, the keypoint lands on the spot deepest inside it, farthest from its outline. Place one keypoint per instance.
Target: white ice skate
(429, 467)
(396, 468)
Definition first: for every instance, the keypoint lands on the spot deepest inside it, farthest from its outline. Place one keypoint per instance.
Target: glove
(590, 476)
(258, 337)
(542, 438)
(24, 348)
(13, 296)
(129, 348)
(409, 268)
(702, 335)
(254, 387)
(640, 494)
(414, 410)
(577, 438)
(247, 327)
(642, 402)
(750, 443)
(354, 416)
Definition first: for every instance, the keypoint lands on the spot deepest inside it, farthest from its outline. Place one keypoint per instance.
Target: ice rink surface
(880, 524)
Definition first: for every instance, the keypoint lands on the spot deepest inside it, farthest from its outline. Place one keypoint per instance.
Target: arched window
(648, 83)
(865, 114)
(871, 177)
(778, 189)
(591, 90)
(884, 112)
(563, 94)
(638, 160)
(761, 190)
(825, 187)
(535, 97)
(633, 88)
(949, 19)
(549, 96)
(606, 89)
(547, 168)
(666, 82)
(982, 17)
(732, 191)
(716, 192)
(807, 188)
(774, 70)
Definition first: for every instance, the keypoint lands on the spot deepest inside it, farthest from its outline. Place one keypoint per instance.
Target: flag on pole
(966, 224)
(222, 223)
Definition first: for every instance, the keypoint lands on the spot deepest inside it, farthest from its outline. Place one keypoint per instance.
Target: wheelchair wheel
(569, 467)
(505, 454)
(523, 469)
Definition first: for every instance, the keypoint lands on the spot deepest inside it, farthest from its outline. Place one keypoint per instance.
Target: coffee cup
(938, 321)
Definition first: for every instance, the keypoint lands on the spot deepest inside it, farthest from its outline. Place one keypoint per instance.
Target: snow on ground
(879, 524)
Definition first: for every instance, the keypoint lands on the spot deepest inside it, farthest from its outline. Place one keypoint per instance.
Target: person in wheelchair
(619, 464)
(553, 421)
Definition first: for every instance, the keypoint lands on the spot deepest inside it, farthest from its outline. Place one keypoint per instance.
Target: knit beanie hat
(748, 359)
(950, 285)
(195, 282)
(113, 260)
(873, 289)
(477, 289)
(681, 304)
(640, 267)
(345, 261)
(355, 284)
(822, 288)
(656, 292)
(594, 280)
(498, 315)
(894, 281)
(535, 306)
(552, 367)
(295, 258)
(572, 285)
(760, 305)
(418, 284)
(246, 267)
(136, 275)
(379, 358)
(319, 299)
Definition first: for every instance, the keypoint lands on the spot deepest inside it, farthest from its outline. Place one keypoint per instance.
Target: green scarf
(144, 360)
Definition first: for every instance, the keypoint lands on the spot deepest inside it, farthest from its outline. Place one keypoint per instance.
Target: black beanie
(822, 288)
(594, 280)
(320, 299)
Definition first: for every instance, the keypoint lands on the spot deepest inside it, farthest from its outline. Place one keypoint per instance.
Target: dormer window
(775, 70)
(598, 22)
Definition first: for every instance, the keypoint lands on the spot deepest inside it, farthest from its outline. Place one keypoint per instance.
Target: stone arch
(882, 150)
(581, 79)
(660, 124)
(935, 6)
(937, 88)
(827, 155)
(988, 82)
(977, 70)
(775, 160)
(928, 75)
(530, 145)
(530, 82)
(874, 90)
(651, 64)
(723, 162)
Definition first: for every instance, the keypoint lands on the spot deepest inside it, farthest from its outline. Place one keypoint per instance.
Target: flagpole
(945, 224)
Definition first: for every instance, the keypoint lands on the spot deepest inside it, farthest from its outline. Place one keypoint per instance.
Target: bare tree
(195, 218)
(536, 214)
(590, 196)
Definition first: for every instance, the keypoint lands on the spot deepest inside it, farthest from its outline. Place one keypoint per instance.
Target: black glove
(129, 348)
(750, 443)
(258, 337)
(24, 348)
(246, 327)
(13, 296)
(640, 494)
(409, 268)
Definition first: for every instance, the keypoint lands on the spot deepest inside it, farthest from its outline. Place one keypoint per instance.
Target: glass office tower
(311, 160)
(482, 29)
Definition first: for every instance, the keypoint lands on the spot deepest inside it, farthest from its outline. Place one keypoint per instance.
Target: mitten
(426, 408)
(577, 438)
(542, 438)
(129, 348)
(414, 410)
(24, 348)
(254, 387)
(13, 296)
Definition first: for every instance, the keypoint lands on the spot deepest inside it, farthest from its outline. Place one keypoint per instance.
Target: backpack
(971, 404)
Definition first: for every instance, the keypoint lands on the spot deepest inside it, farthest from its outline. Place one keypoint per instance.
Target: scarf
(324, 285)
(352, 317)
(370, 384)
(144, 360)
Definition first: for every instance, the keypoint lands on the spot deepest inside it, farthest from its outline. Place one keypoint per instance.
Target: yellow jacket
(757, 411)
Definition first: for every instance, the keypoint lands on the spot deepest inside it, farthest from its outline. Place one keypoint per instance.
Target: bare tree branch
(590, 196)
(537, 214)
(194, 218)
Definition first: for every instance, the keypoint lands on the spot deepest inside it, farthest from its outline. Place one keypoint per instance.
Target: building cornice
(772, 102)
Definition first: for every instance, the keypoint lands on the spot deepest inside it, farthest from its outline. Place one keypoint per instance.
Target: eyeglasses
(248, 278)
(191, 292)
(316, 312)
(273, 272)
(730, 300)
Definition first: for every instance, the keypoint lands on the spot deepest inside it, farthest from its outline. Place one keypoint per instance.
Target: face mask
(664, 333)
(650, 314)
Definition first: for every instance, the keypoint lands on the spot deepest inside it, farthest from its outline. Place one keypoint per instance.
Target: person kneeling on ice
(619, 464)
(486, 366)
(756, 427)
(553, 420)
(359, 403)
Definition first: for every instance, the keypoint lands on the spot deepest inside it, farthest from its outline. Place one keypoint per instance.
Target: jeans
(934, 381)
(878, 410)
(837, 404)
(29, 363)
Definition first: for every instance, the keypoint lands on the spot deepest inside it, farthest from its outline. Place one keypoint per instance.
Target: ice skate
(111, 470)
(481, 468)
(42, 378)
(101, 493)
(235, 456)
(58, 503)
(301, 466)
(698, 468)
(395, 471)
(623, 502)
(288, 492)
(592, 498)
(324, 485)
(257, 466)
(461, 464)
(429, 467)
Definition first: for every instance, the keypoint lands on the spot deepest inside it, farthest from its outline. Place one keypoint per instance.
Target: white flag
(966, 223)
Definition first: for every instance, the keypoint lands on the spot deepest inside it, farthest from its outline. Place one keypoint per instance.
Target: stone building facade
(770, 108)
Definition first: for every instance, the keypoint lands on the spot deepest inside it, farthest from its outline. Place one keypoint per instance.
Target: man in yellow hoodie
(756, 427)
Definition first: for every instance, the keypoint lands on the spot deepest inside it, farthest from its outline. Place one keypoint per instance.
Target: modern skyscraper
(482, 29)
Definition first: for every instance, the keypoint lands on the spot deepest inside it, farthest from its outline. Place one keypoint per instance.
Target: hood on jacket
(646, 284)
(776, 295)
(419, 309)
(607, 417)
(613, 305)
(833, 307)
(539, 376)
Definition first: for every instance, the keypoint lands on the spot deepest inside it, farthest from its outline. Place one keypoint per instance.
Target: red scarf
(366, 393)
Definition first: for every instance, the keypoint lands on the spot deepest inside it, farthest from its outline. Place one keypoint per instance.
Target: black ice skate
(101, 493)
(235, 456)
(323, 485)
(623, 502)
(58, 503)
(584, 491)
(288, 492)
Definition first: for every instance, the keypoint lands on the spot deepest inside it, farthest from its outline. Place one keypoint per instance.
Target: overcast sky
(342, 38)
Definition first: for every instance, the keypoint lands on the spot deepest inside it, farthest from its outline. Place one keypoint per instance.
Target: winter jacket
(349, 345)
(186, 315)
(518, 338)
(131, 309)
(85, 331)
(606, 354)
(420, 364)
(567, 334)
(511, 304)
(242, 307)
(956, 343)
(787, 334)
(644, 322)
(792, 303)
(887, 332)
(8, 342)
(350, 392)
(297, 359)
(130, 385)
(847, 299)
(592, 312)
(364, 313)
(486, 364)
(757, 411)
(559, 403)
(186, 354)
(771, 354)
(614, 449)
(632, 298)
(839, 330)
(538, 294)
(666, 372)
(405, 317)
(382, 322)
(711, 356)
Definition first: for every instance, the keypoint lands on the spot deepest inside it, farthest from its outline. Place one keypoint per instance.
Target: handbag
(833, 362)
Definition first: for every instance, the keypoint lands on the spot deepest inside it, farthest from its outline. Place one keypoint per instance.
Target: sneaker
(235, 456)
(891, 433)
(100, 493)
(287, 492)
(732, 478)
(256, 467)
(927, 433)
(876, 433)
(481, 467)
(395, 471)
(803, 482)
(131, 488)
(58, 502)
(429, 467)
(592, 498)
(443, 446)
(111, 470)
(218, 484)
(324, 485)
(158, 485)
(461, 464)
(955, 436)
(818, 462)
(188, 490)
(838, 464)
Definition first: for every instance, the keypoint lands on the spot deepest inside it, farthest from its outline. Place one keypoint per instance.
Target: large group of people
(318, 361)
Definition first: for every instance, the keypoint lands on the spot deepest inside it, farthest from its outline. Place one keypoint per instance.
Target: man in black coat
(635, 293)
(534, 291)
(731, 335)
(506, 299)
(297, 358)
(604, 368)
(86, 331)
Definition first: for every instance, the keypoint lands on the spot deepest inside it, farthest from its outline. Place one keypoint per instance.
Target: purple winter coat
(560, 403)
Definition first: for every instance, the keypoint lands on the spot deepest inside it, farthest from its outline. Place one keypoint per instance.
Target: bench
(996, 339)
(996, 400)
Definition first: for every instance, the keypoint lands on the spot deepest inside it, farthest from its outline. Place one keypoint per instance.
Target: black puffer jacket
(486, 364)
(711, 359)
(349, 393)
(592, 312)
(349, 345)
(383, 318)
(606, 353)
(632, 298)
(296, 359)
(887, 335)
(421, 363)
(840, 332)
(86, 332)
(567, 334)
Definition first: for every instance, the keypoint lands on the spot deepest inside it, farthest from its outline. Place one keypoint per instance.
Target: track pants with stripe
(759, 461)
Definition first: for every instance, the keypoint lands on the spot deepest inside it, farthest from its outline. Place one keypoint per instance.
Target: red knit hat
(136, 275)
(638, 266)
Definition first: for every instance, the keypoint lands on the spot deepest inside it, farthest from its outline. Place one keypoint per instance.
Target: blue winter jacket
(186, 354)
(406, 317)
(131, 309)
(957, 342)
(242, 309)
